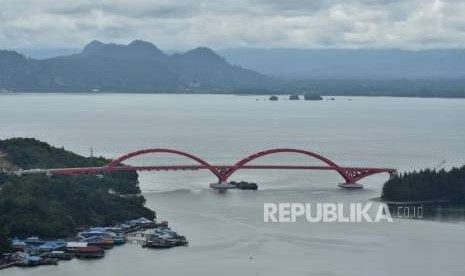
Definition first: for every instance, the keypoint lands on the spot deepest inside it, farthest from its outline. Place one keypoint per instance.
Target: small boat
(119, 239)
(162, 224)
(34, 241)
(18, 244)
(103, 242)
(29, 261)
(158, 243)
(142, 223)
(91, 233)
(52, 246)
(48, 261)
(245, 185)
(178, 241)
(60, 255)
(89, 252)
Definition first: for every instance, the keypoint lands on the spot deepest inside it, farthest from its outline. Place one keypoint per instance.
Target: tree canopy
(55, 206)
(427, 185)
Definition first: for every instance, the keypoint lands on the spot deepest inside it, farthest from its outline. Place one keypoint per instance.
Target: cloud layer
(183, 24)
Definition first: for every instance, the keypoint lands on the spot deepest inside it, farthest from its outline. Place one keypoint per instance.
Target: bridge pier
(350, 186)
(222, 185)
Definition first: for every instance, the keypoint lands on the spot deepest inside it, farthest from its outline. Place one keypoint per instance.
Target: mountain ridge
(137, 66)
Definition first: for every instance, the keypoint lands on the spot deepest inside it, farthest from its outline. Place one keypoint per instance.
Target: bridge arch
(250, 158)
(130, 155)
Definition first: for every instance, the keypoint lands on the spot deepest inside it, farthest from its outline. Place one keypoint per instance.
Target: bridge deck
(350, 174)
(91, 170)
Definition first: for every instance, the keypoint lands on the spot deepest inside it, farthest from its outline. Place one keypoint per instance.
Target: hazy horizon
(44, 53)
(324, 63)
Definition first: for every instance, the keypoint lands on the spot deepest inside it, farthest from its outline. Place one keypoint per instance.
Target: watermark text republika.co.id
(327, 212)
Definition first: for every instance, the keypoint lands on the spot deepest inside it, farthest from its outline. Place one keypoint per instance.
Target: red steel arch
(227, 173)
(123, 158)
(350, 174)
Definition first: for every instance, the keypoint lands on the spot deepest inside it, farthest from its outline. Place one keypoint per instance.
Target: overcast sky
(183, 24)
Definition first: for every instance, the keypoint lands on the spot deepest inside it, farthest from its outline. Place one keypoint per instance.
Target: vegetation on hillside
(56, 206)
(274, 98)
(30, 153)
(312, 97)
(5, 244)
(294, 97)
(427, 185)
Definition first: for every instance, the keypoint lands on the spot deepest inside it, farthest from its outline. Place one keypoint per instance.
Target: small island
(274, 98)
(294, 97)
(312, 97)
(427, 186)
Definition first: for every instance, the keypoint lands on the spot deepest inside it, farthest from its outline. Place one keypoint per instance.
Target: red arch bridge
(223, 172)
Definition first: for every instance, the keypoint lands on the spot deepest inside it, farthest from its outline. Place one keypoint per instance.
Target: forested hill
(29, 153)
(56, 206)
(427, 185)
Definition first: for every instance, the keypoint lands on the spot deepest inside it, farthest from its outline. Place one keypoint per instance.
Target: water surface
(226, 231)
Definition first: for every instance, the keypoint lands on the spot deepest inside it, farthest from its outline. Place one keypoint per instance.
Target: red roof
(90, 249)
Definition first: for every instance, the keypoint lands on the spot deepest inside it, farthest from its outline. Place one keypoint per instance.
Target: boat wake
(174, 191)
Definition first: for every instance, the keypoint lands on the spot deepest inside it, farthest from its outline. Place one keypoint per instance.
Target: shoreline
(225, 94)
(138, 231)
(412, 202)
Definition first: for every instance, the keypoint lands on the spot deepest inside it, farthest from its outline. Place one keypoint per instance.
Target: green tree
(5, 243)
(427, 185)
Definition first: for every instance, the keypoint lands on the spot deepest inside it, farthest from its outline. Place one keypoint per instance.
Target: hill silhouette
(139, 66)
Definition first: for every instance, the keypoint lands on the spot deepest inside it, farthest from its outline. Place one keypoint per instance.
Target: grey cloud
(129, 9)
(183, 24)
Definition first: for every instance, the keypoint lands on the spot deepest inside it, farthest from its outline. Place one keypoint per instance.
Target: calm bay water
(226, 231)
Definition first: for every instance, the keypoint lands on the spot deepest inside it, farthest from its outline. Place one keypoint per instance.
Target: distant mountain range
(139, 67)
(381, 64)
(142, 67)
